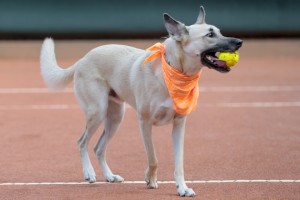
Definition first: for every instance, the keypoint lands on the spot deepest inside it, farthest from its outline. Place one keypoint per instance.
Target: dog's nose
(238, 42)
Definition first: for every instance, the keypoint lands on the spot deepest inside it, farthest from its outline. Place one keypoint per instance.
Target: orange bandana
(182, 88)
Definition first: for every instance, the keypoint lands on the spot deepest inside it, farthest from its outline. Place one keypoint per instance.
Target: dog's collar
(183, 88)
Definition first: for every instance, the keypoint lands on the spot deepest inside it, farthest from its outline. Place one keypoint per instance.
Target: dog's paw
(89, 175)
(152, 184)
(114, 179)
(151, 178)
(91, 178)
(188, 192)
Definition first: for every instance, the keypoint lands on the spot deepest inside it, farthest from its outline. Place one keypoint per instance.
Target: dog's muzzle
(210, 59)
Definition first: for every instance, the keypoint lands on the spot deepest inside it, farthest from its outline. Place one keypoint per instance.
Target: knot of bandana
(183, 88)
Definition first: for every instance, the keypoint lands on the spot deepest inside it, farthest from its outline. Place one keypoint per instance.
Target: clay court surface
(243, 142)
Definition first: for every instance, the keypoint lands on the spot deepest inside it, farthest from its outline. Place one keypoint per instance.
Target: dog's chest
(162, 112)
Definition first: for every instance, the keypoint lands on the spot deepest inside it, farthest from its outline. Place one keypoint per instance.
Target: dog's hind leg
(115, 113)
(93, 98)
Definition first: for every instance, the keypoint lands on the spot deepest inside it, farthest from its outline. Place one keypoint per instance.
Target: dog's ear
(176, 29)
(201, 16)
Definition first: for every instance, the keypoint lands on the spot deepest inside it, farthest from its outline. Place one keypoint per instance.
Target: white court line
(39, 107)
(254, 105)
(143, 182)
(32, 90)
(219, 105)
(250, 89)
(202, 89)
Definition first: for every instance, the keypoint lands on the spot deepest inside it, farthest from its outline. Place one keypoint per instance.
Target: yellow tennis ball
(231, 58)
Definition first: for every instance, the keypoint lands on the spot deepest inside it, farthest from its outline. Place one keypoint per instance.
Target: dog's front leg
(178, 142)
(151, 171)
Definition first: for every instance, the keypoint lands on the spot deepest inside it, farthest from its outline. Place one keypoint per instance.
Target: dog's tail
(55, 77)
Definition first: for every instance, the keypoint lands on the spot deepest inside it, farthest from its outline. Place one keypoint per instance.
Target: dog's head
(201, 42)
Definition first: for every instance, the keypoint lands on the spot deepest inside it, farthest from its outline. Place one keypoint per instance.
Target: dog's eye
(211, 35)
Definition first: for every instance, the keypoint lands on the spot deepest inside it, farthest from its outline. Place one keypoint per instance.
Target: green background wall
(140, 18)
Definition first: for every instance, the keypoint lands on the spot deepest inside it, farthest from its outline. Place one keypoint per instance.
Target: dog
(110, 75)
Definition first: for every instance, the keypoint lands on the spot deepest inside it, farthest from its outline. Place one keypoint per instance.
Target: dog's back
(110, 59)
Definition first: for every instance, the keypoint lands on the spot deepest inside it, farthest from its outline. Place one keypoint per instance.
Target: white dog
(110, 75)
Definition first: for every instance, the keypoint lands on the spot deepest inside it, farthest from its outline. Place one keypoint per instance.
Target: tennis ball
(231, 58)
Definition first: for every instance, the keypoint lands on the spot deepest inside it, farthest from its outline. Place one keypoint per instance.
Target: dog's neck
(176, 57)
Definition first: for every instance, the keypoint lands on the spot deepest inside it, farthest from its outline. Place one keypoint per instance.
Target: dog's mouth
(210, 60)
